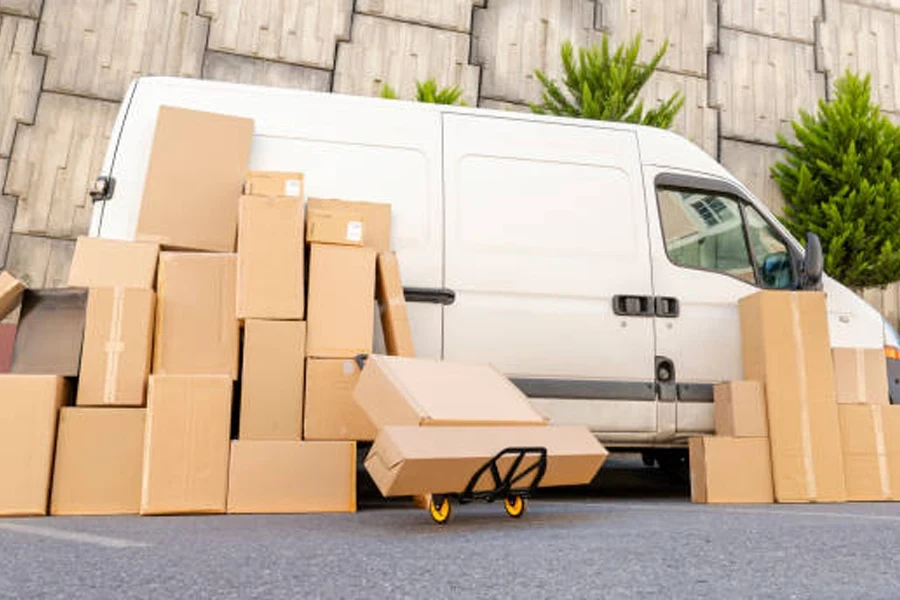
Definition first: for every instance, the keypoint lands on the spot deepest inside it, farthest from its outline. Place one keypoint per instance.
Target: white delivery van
(599, 265)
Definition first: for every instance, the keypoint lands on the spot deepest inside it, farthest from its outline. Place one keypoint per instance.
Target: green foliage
(388, 92)
(839, 181)
(604, 86)
(429, 91)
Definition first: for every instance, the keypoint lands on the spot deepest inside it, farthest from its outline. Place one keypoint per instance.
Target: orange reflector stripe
(892, 352)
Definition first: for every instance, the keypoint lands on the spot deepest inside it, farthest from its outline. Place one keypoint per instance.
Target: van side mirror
(813, 264)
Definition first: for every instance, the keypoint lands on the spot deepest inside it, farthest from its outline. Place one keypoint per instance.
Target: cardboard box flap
(99, 262)
(50, 333)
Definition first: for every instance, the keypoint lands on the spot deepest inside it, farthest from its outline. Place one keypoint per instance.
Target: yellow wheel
(514, 505)
(439, 509)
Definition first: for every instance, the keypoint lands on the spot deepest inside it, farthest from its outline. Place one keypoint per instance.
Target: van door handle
(442, 296)
(667, 307)
(633, 306)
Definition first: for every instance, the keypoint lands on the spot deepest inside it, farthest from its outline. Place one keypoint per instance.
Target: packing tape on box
(861, 374)
(805, 428)
(114, 346)
(881, 452)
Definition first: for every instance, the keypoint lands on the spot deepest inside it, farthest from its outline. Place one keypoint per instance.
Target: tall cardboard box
(98, 461)
(99, 262)
(740, 409)
(376, 219)
(11, 290)
(272, 184)
(272, 380)
(866, 461)
(270, 258)
(118, 342)
(730, 470)
(186, 443)
(50, 332)
(29, 405)
(341, 318)
(785, 342)
(330, 412)
(196, 327)
(860, 376)
(392, 303)
(292, 477)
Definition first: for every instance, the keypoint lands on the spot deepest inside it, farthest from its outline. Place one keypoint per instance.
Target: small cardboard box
(860, 376)
(113, 263)
(50, 332)
(730, 470)
(740, 409)
(334, 227)
(376, 217)
(330, 412)
(270, 267)
(341, 320)
(29, 405)
(272, 380)
(98, 461)
(392, 302)
(292, 477)
(867, 471)
(186, 443)
(274, 184)
(118, 343)
(197, 331)
(11, 290)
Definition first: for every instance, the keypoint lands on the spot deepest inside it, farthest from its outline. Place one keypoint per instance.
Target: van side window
(769, 252)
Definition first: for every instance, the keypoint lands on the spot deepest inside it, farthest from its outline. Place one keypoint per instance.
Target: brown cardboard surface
(271, 184)
(890, 417)
(866, 464)
(330, 411)
(196, 328)
(740, 409)
(392, 303)
(393, 390)
(272, 380)
(194, 176)
(113, 263)
(270, 267)
(860, 376)
(118, 342)
(7, 341)
(334, 227)
(29, 405)
(50, 332)
(730, 470)
(186, 443)
(376, 218)
(405, 461)
(11, 290)
(292, 477)
(98, 461)
(341, 317)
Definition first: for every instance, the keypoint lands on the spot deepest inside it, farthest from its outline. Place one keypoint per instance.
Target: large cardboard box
(270, 258)
(292, 477)
(99, 262)
(341, 318)
(406, 461)
(740, 409)
(11, 290)
(731, 470)
(392, 302)
(860, 376)
(376, 217)
(272, 380)
(334, 227)
(50, 332)
(330, 412)
(866, 460)
(118, 343)
(194, 177)
(272, 184)
(98, 461)
(785, 342)
(29, 405)
(186, 442)
(394, 390)
(197, 330)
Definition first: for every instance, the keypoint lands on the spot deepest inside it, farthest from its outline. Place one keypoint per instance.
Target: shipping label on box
(376, 218)
(273, 184)
(99, 262)
(860, 375)
(740, 409)
(331, 412)
(730, 470)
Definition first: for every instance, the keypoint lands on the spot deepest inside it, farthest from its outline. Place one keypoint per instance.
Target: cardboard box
(7, 341)
(194, 177)
(270, 267)
(272, 184)
(408, 391)
(292, 477)
(186, 443)
(334, 227)
(785, 343)
(730, 470)
(197, 331)
(376, 217)
(341, 320)
(50, 332)
(392, 303)
(405, 461)
(330, 411)
(867, 469)
(272, 380)
(29, 405)
(113, 263)
(118, 343)
(860, 375)
(890, 418)
(11, 290)
(740, 409)
(98, 461)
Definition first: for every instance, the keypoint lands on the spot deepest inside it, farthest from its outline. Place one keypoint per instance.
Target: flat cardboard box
(392, 303)
(197, 331)
(11, 290)
(272, 184)
(50, 332)
(785, 342)
(113, 263)
(393, 390)
(272, 380)
(407, 461)
(341, 319)
(730, 470)
(860, 376)
(375, 215)
(740, 409)
(866, 460)
(118, 344)
(186, 443)
(292, 477)
(98, 461)
(29, 405)
(194, 177)
(330, 411)
(334, 227)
